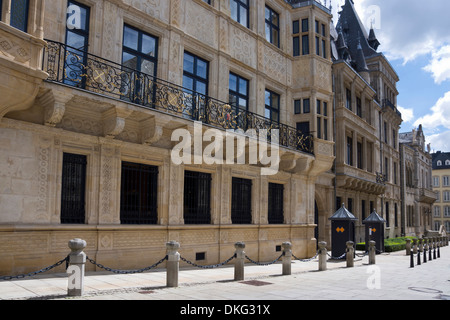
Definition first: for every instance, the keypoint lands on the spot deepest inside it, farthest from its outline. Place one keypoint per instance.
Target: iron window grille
(73, 189)
(139, 193)
(276, 203)
(241, 202)
(197, 198)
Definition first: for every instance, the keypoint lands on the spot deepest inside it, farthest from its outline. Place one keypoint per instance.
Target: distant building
(441, 185)
(417, 193)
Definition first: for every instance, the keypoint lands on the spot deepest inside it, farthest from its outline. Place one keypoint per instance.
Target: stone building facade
(92, 94)
(417, 191)
(441, 186)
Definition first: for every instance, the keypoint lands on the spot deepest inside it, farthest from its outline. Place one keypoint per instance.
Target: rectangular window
(238, 92)
(77, 41)
(272, 27)
(276, 203)
(295, 27)
(305, 25)
(73, 189)
(318, 46)
(195, 80)
(437, 212)
(240, 11)
(358, 107)
(387, 215)
(298, 106)
(348, 99)
(139, 53)
(319, 127)
(241, 202)
(363, 210)
(349, 151)
(447, 211)
(446, 181)
(305, 45)
(435, 181)
(325, 129)
(446, 195)
(296, 46)
(303, 127)
(139, 194)
(19, 14)
(272, 102)
(359, 156)
(306, 106)
(197, 198)
(324, 49)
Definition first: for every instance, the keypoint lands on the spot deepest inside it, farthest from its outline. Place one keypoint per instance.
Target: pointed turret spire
(373, 41)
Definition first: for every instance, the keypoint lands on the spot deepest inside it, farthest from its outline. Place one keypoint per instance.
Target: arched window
(439, 163)
(447, 162)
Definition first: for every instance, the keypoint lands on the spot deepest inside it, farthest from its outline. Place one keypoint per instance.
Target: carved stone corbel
(54, 103)
(114, 122)
(152, 130)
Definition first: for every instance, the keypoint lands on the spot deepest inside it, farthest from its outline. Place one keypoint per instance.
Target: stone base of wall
(24, 250)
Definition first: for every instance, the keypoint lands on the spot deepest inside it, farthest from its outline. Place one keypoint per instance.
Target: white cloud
(407, 114)
(440, 141)
(440, 64)
(439, 116)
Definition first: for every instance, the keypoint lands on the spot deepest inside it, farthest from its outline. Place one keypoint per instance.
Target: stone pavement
(391, 278)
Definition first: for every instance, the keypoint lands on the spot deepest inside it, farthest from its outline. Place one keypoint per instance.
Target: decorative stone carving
(54, 102)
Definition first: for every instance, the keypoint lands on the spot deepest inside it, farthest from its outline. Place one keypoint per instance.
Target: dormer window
(439, 163)
(447, 162)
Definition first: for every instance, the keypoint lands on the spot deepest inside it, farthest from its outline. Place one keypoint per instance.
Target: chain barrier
(127, 271)
(210, 266)
(306, 260)
(21, 276)
(265, 264)
(337, 258)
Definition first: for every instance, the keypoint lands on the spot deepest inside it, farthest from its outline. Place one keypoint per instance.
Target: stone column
(372, 252)
(408, 247)
(415, 246)
(76, 269)
(322, 256)
(287, 258)
(350, 253)
(173, 264)
(240, 261)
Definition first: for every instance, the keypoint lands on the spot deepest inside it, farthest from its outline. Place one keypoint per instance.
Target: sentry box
(375, 231)
(342, 231)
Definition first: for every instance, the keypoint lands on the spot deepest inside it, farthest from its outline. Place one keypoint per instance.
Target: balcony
(388, 104)
(71, 67)
(427, 196)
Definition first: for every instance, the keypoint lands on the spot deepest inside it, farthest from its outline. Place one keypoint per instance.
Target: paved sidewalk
(390, 279)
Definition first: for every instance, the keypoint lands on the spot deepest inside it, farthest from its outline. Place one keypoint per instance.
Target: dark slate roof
(374, 217)
(343, 214)
(440, 156)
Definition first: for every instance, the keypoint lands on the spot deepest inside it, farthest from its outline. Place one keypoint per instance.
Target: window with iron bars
(241, 202)
(139, 193)
(276, 203)
(73, 189)
(197, 198)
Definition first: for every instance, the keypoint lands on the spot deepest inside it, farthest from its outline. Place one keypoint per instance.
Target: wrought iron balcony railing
(70, 66)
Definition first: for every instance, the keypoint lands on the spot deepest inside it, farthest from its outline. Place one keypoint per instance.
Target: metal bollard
(434, 248)
(76, 269)
(411, 263)
(173, 264)
(350, 253)
(429, 250)
(425, 248)
(408, 247)
(287, 258)
(418, 258)
(372, 252)
(240, 261)
(438, 252)
(322, 256)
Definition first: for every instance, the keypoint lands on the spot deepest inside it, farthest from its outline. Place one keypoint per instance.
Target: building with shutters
(441, 186)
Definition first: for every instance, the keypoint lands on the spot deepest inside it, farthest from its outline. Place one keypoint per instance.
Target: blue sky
(415, 37)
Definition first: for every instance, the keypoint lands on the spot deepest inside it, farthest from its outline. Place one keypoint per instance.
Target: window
(439, 163)
(395, 215)
(77, 41)
(435, 181)
(306, 105)
(272, 27)
(305, 45)
(241, 202)
(386, 169)
(276, 199)
(447, 211)
(446, 195)
(437, 212)
(321, 43)
(240, 11)
(349, 151)
(197, 198)
(348, 101)
(207, 1)
(447, 162)
(305, 25)
(303, 127)
(446, 181)
(358, 107)
(139, 193)
(272, 102)
(139, 53)
(195, 79)
(19, 14)
(73, 189)
(238, 92)
(387, 215)
(359, 156)
(298, 106)
(363, 210)
(195, 73)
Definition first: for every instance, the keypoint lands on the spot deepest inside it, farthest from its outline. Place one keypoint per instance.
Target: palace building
(97, 96)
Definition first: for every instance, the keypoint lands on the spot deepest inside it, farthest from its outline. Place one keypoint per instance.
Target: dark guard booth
(342, 231)
(375, 231)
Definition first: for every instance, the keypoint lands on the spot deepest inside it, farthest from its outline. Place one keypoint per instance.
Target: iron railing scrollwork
(70, 66)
